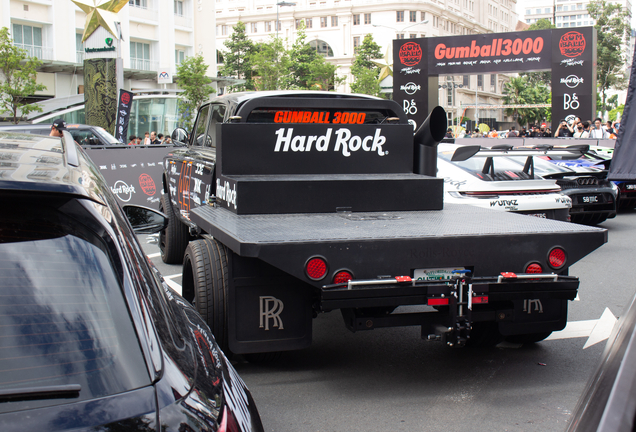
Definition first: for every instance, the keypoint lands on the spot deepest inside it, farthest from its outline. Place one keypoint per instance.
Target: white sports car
(487, 178)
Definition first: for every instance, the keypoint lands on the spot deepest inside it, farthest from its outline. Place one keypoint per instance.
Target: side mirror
(179, 136)
(145, 220)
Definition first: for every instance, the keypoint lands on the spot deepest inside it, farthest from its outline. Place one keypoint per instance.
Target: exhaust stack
(425, 141)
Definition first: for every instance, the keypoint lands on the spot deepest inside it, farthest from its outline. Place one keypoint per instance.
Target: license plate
(591, 199)
(630, 186)
(539, 215)
(435, 274)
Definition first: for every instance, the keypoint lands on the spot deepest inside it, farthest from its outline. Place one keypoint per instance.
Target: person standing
(598, 131)
(57, 127)
(146, 138)
(133, 140)
(153, 138)
(512, 133)
(564, 130)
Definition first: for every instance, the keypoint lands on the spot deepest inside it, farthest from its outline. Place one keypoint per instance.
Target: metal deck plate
(454, 221)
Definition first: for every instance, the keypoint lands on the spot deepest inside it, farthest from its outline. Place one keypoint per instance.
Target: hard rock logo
(410, 54)
(572, 44)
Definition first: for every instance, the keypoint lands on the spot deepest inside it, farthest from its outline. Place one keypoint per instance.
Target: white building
(158, 34)
(337, 27)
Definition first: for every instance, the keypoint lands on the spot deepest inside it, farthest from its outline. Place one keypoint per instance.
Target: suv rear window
(63, 315)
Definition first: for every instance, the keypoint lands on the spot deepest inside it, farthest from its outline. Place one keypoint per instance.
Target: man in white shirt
(598, 131)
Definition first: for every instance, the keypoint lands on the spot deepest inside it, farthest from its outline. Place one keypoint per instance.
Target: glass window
(199, 128)
(64, 317)
(356, 44)
(138, 3)
(528, 12)
(546, 10)
(466, 81)
(493, 79)
(268, 26)
(334, 21)
(216, 117)
(140, 55)
(356, 19)
(559, 8)
(28, 38)
(412, 35)
(367, 18)
(423, 16)
(308, 23)
(179, 56)
(400, 36)
(412, 16)
(323, 21)
(480, 81)
(178, 7)
(254, 27)
(399, 16)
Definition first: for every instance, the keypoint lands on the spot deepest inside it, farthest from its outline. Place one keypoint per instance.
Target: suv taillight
(316, 268)
(557, 258)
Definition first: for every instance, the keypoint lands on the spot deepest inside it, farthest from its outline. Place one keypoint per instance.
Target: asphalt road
(392, 380)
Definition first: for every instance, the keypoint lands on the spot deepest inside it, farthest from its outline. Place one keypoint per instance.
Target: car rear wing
(466, 152)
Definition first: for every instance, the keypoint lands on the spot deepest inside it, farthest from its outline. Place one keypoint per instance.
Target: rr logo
(529, 303)
(270, 308)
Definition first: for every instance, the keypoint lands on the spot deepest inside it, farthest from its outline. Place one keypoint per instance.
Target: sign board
(124, 102)
(164, 77)
(569, 53)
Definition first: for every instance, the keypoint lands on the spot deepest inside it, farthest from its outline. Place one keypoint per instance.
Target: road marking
(175, 286)
(595, 330)
(154, 255)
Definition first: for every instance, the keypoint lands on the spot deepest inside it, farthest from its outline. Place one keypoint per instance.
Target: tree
(613, 30)
(301, 55)
(323, 75)
(19, 74)
(517, 91)
(545, 78)
(364, 71)
(196, 87)
(271, 66)
(237, 57)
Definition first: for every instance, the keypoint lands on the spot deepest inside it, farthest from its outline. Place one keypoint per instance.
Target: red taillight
(316, 268)
(437, 301)
(556, 258)
(228, 422)
(534, 268)
(342, 277)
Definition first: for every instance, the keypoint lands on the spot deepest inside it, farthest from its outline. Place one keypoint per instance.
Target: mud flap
(533, 316)
(268, 310)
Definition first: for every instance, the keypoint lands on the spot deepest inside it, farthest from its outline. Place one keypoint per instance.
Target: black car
(92, 336)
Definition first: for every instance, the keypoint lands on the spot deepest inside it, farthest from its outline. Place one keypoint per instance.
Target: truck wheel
(205, 284)
(174, 239)
(528, 338)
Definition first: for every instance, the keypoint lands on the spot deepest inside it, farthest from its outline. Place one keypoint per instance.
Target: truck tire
(205, 285)
(174, 239)
(528, 338)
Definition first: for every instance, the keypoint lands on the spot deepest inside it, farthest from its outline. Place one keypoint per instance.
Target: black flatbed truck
(293, 233)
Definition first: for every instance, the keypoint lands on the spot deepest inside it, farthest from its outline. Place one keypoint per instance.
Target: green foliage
(271, 66)
(322, 75)
(542, 24)
(196, 87)
(518, 91)
(613, 113)
(301, 55)
(237, 57)
(19, 72)
(613, 29)
(364, 71)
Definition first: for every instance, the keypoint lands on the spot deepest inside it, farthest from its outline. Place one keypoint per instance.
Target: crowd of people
(577, 129)
(149, 138)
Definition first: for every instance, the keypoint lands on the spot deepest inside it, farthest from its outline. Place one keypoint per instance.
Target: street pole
(281, 3)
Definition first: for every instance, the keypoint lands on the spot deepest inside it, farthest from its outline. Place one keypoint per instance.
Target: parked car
(84, 135)
(92, 336)
(594, 197)
(488, 179)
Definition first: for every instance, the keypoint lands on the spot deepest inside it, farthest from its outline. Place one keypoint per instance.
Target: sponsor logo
(498, 47)
(319, 117)
(164, 75)
(409, 107)
(504, 203)
(344, 142)
(270, 308)
(109, 41)
(570, 101)
(147, 184)
(572, 44)
(570, 118)
(410, 54)
(410, 71)
(572, 81)
(414, 124)
(410, 88)
(122, 190)
(571, 62)
(226, 192)
(125, 98)
(530, 304)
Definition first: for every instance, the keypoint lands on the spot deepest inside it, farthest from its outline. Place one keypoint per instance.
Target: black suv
(92, 336)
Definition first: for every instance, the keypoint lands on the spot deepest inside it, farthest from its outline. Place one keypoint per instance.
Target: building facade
(157, 35)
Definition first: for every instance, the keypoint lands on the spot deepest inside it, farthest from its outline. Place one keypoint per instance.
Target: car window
(199, 129)
(63, 314)
(105, 136)
(84, 137)
(216, 116)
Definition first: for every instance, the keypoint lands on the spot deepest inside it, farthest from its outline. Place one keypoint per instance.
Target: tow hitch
(460, 305)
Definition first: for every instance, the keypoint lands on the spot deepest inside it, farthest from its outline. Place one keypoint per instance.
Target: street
(391, 379)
